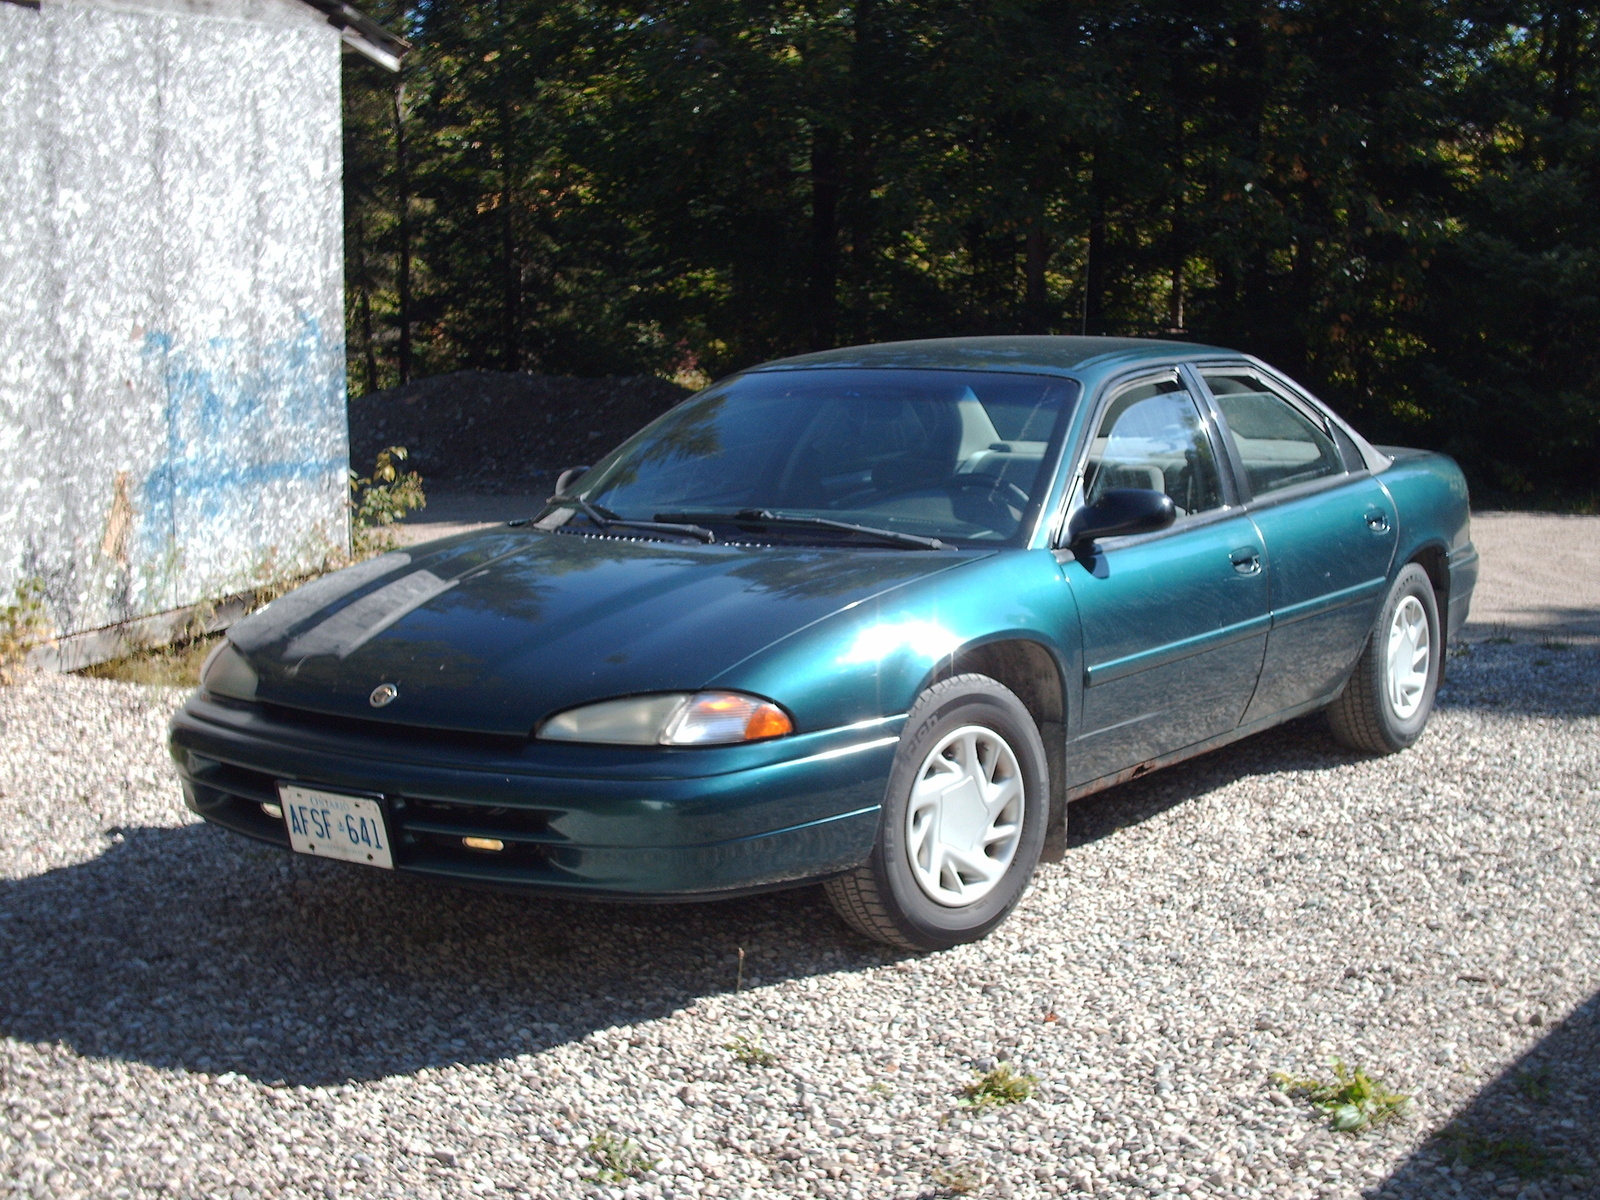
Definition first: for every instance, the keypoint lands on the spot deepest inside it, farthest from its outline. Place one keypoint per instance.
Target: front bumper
(598, 821)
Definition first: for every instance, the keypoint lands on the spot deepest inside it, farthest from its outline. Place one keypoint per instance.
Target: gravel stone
(186, 1013)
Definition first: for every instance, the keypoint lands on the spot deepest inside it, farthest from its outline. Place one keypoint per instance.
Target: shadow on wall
(1536, 1124)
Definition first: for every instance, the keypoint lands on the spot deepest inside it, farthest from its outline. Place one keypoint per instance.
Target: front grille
(424, 832)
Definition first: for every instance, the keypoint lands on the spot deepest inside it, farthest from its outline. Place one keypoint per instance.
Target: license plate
(331, 825)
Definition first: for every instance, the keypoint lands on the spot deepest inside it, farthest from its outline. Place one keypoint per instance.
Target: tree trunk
(403, 208)
(1036, 300)
(1094, 320)
(511, 271)
(364, 300)
(824, 274)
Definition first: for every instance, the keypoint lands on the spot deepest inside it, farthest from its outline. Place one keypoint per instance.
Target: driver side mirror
(1121, 511)
(567, 477)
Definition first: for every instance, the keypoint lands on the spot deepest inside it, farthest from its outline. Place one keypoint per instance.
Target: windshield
(954, 455)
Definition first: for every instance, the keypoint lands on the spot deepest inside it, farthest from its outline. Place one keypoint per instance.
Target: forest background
(1396, 202)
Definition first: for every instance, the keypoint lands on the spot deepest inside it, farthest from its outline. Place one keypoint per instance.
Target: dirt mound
(493, 431)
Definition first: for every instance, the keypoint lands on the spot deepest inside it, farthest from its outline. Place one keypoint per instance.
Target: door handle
(1246, 560)
(1378, 521)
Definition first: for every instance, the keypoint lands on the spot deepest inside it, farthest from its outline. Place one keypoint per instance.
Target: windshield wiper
(762, 516)
(604, 518)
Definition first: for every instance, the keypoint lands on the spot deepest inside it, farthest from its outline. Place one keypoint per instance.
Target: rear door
(1327, 526)
(1173, 623)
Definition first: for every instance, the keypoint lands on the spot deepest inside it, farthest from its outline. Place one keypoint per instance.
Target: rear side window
(1278, 444)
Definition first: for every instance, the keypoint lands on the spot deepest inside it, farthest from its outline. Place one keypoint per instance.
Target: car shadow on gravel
(192, 947)
(1535, 1123)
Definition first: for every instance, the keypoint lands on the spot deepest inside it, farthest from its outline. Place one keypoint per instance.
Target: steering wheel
(995, 488)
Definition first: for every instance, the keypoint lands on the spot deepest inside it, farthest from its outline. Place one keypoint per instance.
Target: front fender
(874, 658)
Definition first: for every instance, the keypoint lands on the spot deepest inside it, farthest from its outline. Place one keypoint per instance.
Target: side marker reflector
(478, 843)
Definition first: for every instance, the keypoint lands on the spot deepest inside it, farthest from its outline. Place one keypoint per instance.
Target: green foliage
(24, 623)
(1516, 1153)
(1393, 200)
(1535, 1084)
(751, 1052)
(382, 498)
(617, 1159)
(1002, 1085)
(1351, 1102)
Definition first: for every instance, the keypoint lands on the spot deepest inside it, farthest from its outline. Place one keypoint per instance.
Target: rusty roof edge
(361, 33)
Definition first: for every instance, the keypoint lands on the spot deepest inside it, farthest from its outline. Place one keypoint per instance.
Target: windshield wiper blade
(763, 516)
(604, 518)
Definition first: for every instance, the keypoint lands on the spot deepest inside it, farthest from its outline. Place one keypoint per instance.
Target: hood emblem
(383, 694)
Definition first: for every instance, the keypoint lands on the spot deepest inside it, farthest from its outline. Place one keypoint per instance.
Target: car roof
(1043, 355)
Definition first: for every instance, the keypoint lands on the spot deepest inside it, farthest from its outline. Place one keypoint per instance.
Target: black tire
(882, 898)
(1364, 717)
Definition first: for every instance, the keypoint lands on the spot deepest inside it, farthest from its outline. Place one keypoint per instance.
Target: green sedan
(871, 618)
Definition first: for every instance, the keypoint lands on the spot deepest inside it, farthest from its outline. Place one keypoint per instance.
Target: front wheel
(963, 821)
(1389, 697)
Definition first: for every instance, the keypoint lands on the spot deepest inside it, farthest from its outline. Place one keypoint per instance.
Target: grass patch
(751, 1052)
(1535, 1084)
(1000, 1086)
(1351, 1102)
(1511, 1154)
(617, 1159)
(160, 666)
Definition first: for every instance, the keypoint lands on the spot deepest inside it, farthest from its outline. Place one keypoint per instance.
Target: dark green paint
(1159, 642)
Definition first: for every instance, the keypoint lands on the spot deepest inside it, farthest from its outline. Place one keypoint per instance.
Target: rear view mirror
(1121, 511)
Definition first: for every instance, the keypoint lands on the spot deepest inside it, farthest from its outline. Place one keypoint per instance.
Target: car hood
(492, 632)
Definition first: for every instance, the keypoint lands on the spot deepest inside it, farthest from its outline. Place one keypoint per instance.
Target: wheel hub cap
(965, 816)
(1410, 652)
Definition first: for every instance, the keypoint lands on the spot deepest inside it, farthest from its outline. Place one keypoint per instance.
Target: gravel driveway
(185, 1013)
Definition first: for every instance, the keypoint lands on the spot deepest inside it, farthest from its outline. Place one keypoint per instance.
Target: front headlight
(226, 673)
(671, 719)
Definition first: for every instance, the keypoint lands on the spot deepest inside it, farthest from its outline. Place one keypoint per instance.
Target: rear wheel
(1389, 698)
(963, 821)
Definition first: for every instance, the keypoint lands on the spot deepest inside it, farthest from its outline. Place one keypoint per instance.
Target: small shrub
(999, 1086)
(751, 1052)
(1352, 1101)
(380, 499)
(24, 623)
(618, 1160)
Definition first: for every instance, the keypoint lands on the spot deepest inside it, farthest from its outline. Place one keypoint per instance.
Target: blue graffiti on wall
(241, 419)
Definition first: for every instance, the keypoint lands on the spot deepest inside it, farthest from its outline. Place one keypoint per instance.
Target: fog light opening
(478, 843)
(272, 810)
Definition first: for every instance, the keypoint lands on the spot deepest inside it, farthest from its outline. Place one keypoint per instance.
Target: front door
(1173, 623)
(1328, 530)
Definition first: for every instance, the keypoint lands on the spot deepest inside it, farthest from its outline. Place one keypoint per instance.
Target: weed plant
(618, 1159)
(751, 1052)
(378, 500)
(1509, 1154)
(1351, 1102)
(24, 623)
(1002, 1085)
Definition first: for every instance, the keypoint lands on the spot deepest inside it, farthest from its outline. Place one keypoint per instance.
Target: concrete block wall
(172, 398)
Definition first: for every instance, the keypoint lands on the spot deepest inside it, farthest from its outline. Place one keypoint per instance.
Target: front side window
(955, 455)
(1152, 437)
(1278, 444)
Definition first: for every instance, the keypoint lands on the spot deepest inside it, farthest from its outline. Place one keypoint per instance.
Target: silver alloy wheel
(965, 816)
(1410, 657)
